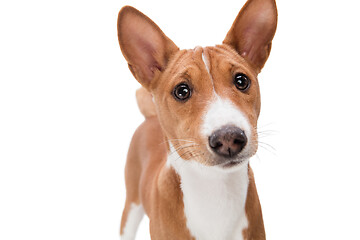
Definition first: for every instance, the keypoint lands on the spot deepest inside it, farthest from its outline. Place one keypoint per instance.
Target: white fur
(134, 217)
(206, 62)
(222, 112)
(214, 199)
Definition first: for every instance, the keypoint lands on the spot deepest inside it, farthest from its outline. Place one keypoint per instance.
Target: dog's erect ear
(253, 30)
(143, 44)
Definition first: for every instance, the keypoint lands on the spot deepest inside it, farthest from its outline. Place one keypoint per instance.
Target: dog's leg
(133, 210)
(130, 220)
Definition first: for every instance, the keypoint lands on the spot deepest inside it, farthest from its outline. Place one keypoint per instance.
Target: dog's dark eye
(241, 81)
(182, 92)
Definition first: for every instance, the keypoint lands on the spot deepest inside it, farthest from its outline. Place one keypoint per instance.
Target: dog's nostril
(218, 144)
(214, 141)
(238, 141)
(228, 141)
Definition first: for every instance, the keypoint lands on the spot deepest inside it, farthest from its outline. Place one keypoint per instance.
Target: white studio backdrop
(68, 111)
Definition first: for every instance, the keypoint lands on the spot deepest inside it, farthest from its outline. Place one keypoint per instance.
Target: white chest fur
(214, 199)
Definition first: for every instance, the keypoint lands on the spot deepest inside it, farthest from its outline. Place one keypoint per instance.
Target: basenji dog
(188, 162)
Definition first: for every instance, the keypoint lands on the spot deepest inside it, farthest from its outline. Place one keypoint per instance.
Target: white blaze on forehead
(222, 112)
(206, 62)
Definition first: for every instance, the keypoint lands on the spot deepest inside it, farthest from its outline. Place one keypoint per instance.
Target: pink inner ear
(144, 45)
(145, 58)
(253, 30)
(255, 42)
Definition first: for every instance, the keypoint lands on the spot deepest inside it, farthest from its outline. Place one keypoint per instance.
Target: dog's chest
(214, 202)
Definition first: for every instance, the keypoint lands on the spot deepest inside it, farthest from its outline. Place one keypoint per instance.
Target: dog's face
(207, 99)
(209, 93)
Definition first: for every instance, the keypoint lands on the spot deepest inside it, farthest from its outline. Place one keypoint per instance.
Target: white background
(68, 110)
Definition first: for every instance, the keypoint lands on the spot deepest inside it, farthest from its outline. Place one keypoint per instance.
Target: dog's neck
(214, 199)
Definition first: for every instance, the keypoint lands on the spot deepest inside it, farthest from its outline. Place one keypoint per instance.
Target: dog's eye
(182, 92)
(241, 81)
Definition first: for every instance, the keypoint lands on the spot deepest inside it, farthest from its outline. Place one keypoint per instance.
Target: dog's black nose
(228, 141)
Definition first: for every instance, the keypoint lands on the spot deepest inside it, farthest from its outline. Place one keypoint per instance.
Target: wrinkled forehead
(201, 61)
(185, 62)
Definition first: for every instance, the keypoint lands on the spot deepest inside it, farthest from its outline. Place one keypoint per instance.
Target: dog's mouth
(231, 164)
(228, 162)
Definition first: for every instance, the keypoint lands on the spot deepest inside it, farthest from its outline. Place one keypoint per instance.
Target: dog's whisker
(182, 147)
(267, 130)
(265, 125)
(266, 147)
(178, 139)
(267, 133)
(186, 146)
(266, 144)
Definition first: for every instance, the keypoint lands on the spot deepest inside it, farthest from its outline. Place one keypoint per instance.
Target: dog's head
(207, 99)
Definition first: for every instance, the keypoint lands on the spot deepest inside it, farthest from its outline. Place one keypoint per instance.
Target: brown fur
(159, 67)
(157, 187)
(145, 103)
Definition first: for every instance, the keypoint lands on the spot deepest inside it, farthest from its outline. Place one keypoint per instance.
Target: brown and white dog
(188, 163)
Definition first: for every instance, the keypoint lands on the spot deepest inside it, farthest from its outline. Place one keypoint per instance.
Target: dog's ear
(143, 44)
(253, 30)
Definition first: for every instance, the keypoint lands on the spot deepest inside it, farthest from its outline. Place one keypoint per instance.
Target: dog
(188, 163)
